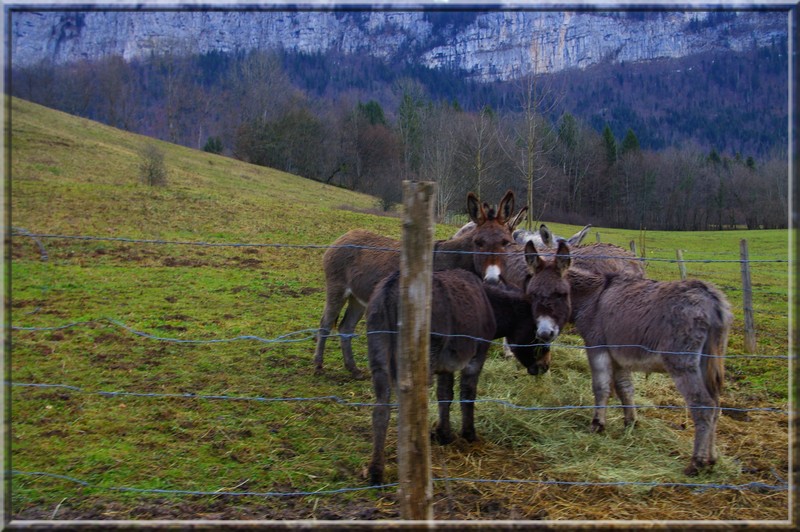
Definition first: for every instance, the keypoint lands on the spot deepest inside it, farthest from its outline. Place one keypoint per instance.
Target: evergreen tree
(630, 144)
(373, 112)
(610, 145)
(213, 145)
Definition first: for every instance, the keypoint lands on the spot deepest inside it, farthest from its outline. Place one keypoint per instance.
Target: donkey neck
(453, 253)
(510, 309)
(585, 290)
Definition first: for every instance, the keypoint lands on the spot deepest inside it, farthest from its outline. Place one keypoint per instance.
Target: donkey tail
(716, 344)
(382, 315)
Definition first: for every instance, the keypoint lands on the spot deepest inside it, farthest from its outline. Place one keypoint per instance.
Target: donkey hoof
(356, 373)
(469, 435)
(375, 477)
(442, 438)
(597, 427)
(696, 466)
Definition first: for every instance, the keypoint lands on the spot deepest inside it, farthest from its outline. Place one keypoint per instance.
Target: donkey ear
(547, 236)
(474, 209)
(506, 207)
(563, 258)
(535, 262)
(515, 221)
(578, 237)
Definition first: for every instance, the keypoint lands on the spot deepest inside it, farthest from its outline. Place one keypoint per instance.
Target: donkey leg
(468, 393)
(444, 393)
(507, 352)
(624, 386)
(355, 310)
(602, 374)
(334, 301)
(705, 412)
(380, 419)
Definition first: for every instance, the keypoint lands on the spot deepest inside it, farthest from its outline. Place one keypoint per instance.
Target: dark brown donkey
(466, 315)
(629, 323)
(359, 260)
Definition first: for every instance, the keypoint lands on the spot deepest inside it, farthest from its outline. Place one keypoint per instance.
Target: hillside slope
(77, 168)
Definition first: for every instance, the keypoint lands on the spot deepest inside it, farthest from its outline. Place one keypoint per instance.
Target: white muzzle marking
(546, 328)
(492, 274)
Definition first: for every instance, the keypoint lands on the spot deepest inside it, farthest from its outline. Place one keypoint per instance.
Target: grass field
(146, 382)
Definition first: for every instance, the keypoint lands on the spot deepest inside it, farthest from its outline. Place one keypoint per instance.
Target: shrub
(152, 169)
(213, 145)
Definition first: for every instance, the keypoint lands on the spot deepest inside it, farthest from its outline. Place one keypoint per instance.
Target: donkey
(358, 260)
(465, 316)
(594, 257)
(630, 323)
(512, 223)
(545, 239)
(607, 258)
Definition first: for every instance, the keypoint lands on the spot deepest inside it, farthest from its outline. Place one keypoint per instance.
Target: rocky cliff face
(497, 45)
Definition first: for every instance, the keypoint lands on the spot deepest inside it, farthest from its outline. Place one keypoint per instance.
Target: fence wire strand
(344, 402)
(751, 486)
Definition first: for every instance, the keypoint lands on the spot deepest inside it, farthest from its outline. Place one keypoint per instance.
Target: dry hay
(555, 445)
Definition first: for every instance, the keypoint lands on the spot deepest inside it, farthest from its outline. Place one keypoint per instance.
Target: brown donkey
(466, 315)
(629, 323)
(359, 260)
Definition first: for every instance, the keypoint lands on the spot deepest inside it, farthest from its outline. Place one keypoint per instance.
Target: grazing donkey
(600, 258)
(532, 316)
(465, 316)
(629, 323)
(358, 260)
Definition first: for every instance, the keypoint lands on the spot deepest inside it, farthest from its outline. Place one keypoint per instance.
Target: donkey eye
(480, 242)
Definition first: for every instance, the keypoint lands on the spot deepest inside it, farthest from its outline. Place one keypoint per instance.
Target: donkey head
(548, 291)
(491, 236)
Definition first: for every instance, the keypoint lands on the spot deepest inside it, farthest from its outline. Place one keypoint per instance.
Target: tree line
(374, 135)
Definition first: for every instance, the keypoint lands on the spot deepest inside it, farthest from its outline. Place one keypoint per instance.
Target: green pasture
(155, 366)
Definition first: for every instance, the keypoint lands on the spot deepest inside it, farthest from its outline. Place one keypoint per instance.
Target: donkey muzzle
(538, 370)
(492, 274)
(546, 329)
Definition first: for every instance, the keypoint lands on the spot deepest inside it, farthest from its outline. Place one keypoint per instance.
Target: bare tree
(532, 136)
(480, 150)
(575, 157)
(261, 87)
(439, 152)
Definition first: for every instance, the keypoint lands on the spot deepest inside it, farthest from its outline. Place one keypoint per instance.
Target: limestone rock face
(487, 46)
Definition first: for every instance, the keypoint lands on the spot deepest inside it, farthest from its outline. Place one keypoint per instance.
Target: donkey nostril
(545, 336)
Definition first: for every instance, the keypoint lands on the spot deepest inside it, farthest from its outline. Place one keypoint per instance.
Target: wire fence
(310, 335)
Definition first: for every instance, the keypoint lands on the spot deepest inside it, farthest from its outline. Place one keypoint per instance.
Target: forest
(692, 144)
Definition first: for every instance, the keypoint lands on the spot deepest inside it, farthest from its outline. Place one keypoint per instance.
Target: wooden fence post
(633, 247)
(681, 264)
(747, 295)
(597, 236)
(415, 492)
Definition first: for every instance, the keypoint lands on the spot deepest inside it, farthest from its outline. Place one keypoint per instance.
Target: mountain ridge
(497, 45)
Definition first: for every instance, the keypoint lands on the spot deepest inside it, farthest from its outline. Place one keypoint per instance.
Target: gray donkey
(629, 323)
